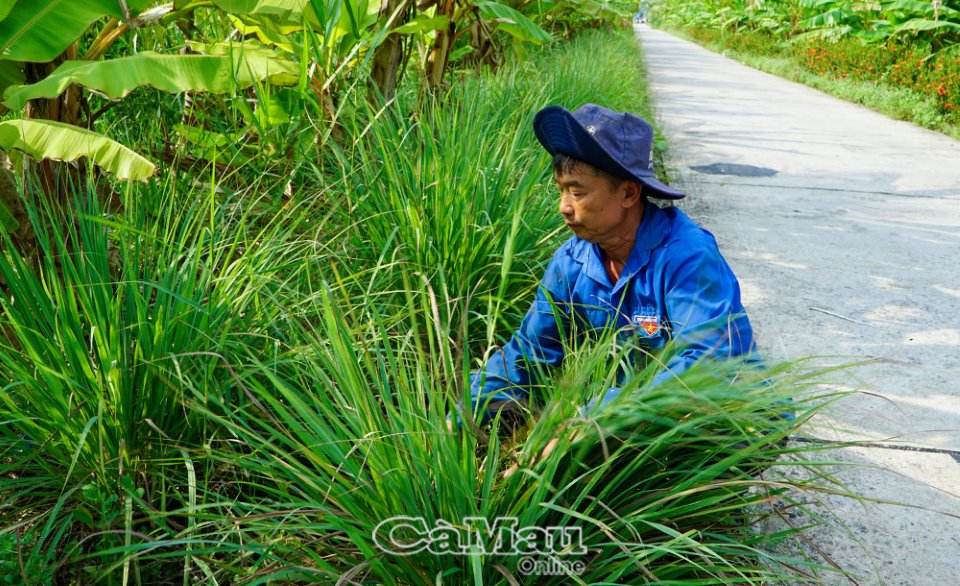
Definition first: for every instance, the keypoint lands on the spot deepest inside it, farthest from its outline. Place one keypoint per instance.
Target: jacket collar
(653, 229)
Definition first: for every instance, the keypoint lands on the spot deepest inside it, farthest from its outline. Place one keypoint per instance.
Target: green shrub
(908, 66)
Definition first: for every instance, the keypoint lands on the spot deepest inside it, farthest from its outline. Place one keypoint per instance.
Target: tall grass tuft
(124, 315)
(457, 191)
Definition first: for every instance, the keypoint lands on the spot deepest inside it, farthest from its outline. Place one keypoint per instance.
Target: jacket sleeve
(511, 370)
(702, 303)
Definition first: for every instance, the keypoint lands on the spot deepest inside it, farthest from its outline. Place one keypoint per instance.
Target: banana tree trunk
(18, 225)
(387, 56)
(64, 108)
(57, 180)
(436, 63)
(484, 51)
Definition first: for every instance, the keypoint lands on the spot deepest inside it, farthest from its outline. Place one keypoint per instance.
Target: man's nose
(566, 208)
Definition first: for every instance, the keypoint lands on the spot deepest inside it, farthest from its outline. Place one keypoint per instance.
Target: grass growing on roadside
(894, 102)
(900, 103)
(206, 390)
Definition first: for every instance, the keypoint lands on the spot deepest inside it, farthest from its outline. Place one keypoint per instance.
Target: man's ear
(632, 191)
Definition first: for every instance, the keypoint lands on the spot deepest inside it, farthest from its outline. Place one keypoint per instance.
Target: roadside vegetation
(901, 58)
(248, 264)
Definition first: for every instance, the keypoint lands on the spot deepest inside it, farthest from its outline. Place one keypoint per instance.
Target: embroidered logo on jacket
(648, 324)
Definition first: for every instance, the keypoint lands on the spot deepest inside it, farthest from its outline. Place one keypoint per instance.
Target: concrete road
(843, 227)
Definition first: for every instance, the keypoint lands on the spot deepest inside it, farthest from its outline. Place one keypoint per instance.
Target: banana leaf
(5, 7)
(269, 36)
(834, 17)
(40, 30)
(286, 8)
(247, 48)
(11, 73)
(819, 3)
(920, 24)
(282, 13)
(513, 22)
(170, 73)
(422, 24)
(914, 7)
(45, 139)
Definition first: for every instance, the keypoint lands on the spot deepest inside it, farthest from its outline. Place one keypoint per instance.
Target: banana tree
(937, 20)
(932, 22)
(388, 62)
(457, 18)
(48, 68)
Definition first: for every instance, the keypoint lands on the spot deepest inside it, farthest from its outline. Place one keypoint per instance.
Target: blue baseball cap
(619, 143)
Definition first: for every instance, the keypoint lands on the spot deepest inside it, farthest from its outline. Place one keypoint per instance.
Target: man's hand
(543, 456)
(547, 450)
(511, 411)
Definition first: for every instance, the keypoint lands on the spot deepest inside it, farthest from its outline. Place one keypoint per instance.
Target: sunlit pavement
(850, 250)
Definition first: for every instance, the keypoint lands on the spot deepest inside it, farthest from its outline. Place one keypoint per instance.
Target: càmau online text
(403, 535)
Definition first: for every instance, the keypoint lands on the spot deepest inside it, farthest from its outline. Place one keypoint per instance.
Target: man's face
(591, 206)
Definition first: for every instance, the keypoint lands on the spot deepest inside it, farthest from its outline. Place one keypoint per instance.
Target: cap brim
(559, 132)
(654, 188)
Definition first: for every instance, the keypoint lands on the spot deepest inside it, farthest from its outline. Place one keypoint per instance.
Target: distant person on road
(650, 272)
(641, 15)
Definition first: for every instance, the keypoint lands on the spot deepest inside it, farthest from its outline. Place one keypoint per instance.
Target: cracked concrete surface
(851, 251)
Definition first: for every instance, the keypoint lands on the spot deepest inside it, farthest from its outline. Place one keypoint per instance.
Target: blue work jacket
(675, 285)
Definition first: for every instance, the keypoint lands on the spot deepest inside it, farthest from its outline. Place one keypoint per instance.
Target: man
(648, 272)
